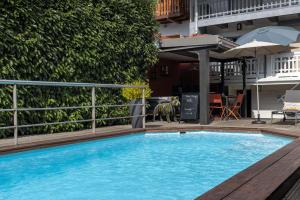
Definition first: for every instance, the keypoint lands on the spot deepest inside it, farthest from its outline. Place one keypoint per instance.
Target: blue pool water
(142, 166)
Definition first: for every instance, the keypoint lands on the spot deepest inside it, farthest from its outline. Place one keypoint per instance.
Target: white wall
(182, 28)
(187, 28)
(269, 99)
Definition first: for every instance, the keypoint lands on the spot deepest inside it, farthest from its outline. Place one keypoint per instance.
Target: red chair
(215, 102)
(234, 110)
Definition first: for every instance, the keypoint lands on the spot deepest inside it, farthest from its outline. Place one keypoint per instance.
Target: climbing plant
(102, 41)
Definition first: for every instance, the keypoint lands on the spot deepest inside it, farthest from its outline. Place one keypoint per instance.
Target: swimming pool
(138, 166)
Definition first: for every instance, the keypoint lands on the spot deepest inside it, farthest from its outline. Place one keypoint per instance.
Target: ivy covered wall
(103, 41)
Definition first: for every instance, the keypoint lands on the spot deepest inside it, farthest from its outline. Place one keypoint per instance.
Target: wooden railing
(172, 10)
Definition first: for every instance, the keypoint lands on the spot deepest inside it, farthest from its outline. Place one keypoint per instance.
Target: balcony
(168, 11)
(213, 12)
(279, 67)
(285, 65)
(233, 72)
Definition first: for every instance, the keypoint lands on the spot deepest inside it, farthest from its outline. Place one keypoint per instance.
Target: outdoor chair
(291, 106)
(215, 102)
(234, 110)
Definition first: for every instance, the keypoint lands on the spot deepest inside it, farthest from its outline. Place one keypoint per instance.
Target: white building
(232, 19)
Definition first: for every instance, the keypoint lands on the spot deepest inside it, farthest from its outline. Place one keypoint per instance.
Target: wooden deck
(275, 177)
(246, 123)
(294, 193)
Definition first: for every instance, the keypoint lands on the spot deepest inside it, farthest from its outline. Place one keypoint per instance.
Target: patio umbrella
(275, 34)
(252, 49)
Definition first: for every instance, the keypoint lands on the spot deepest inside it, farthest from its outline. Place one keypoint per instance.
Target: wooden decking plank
(294, 193)
(229, 186)
(265, 183)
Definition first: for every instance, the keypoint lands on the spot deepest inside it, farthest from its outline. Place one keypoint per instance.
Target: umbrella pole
(258, 120)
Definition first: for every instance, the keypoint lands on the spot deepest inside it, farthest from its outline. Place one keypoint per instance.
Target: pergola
(202, 49)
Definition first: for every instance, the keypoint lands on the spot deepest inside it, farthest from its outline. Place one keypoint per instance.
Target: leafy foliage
(136, 93)
(167, 109)
(103, 41)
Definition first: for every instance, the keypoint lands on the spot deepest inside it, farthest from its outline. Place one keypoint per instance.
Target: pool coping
(269, 178)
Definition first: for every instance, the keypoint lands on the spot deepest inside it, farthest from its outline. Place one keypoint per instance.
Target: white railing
(251, 70)
(233, 70)
(15, 109)
(215, 71)
(285, 64)
(218, 8)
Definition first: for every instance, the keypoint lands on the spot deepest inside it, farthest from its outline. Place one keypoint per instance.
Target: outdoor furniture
(234, 110)
(255, 48)
(215, 102)
(289, 113)
(291, 106)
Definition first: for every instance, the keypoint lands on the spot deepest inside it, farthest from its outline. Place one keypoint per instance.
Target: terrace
(216, 12)
(285, 64)
(25, 141)
(244, 184)
(237, 185)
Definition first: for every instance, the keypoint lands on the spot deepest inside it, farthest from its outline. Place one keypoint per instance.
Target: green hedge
(103, 41)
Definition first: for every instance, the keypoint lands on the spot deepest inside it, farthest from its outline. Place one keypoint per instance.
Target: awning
(280, 80)
(186, 48)
(201, 49)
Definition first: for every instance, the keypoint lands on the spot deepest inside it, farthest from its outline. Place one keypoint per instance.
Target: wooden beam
(203, 57)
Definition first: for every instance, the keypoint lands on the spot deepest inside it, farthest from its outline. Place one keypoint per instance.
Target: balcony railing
(172, 10)
(285, 65)
(233, 71)
(218, 8)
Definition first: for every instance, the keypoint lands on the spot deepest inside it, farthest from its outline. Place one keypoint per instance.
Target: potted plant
(167, 109)
(134, 96)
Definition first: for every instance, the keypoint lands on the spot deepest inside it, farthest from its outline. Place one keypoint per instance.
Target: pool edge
(238, 186)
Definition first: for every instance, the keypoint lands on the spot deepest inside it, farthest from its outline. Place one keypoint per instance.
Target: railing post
(15, 107)
(144, 108)
(196, 17)
(94, 110)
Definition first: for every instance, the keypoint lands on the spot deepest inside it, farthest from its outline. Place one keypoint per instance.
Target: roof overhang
(188, 47)
(280, 80)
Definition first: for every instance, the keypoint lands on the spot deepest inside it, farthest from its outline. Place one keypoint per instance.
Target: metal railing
(15, 109)
(218, 8)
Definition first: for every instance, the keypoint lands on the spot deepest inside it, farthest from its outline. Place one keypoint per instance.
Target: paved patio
(245, 123)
